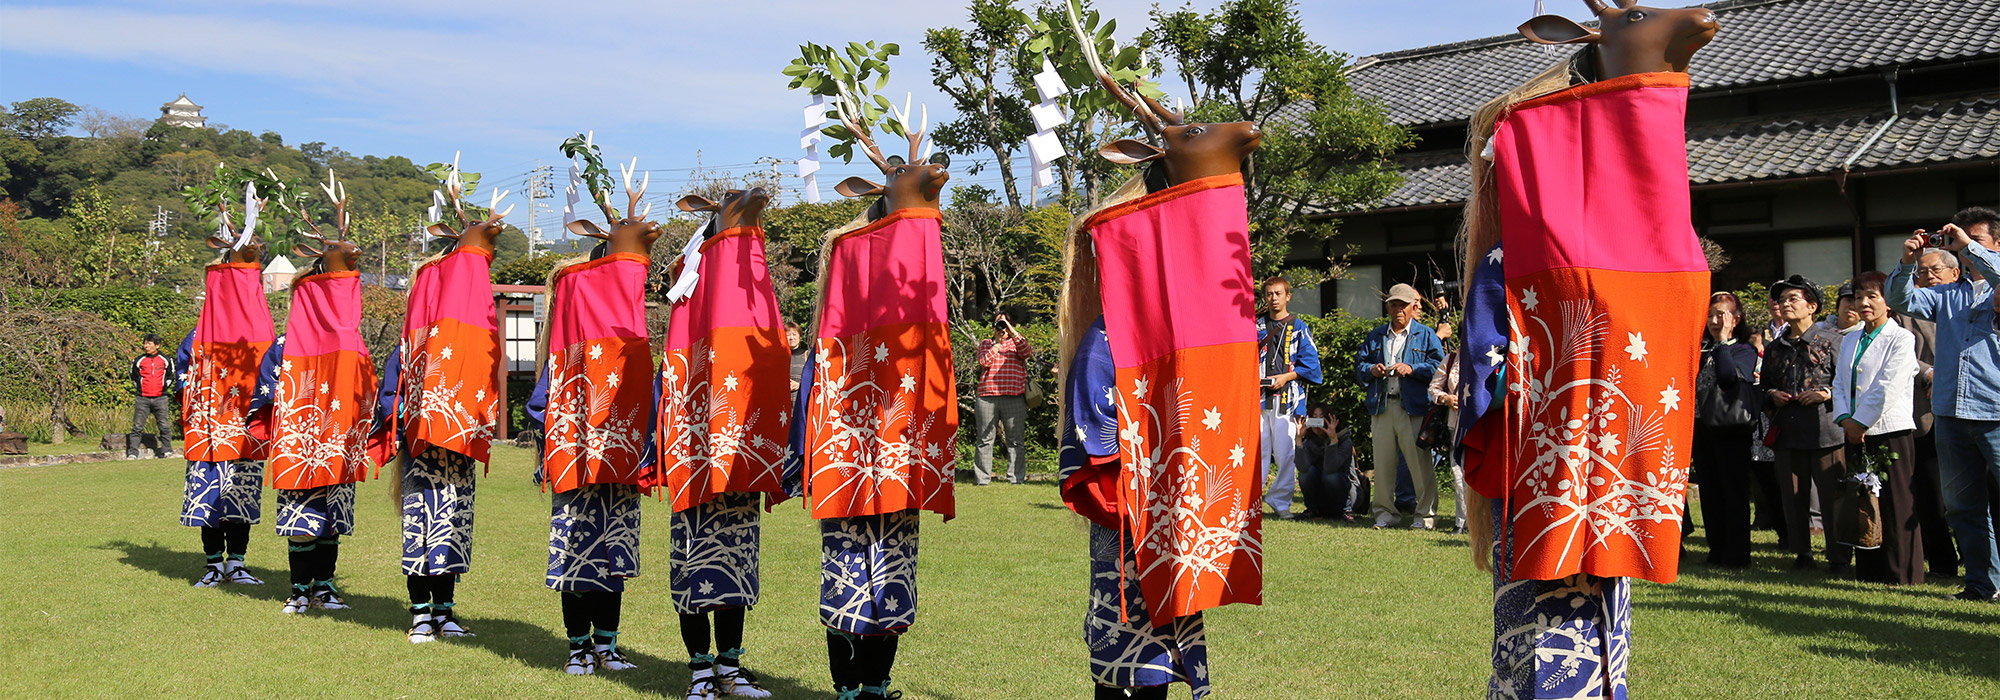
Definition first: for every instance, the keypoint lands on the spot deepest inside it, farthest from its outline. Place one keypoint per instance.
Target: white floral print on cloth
(223, 492)
(324, 413)
(594, 538)
(1567, 638)
(316, 512)
(215, 418)
(868, 573)
(452, 410)
(1128, 651)
(437, 513)
(713, 555)
(881, 429)
(589, 439)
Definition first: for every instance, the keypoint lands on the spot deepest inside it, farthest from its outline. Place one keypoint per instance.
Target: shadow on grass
(529, 645)
(1809, 616)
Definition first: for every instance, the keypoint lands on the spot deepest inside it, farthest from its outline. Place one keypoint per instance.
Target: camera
(1938, 239)
(1265, 382)
(1315, 422)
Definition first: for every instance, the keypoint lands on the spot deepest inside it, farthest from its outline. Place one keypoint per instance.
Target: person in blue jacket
(1287, 359)
(1396, 363)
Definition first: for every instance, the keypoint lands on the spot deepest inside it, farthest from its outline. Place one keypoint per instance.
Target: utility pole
(538, 187)
(777, 175)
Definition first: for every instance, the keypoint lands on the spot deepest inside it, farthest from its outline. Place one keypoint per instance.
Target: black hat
(1846, 290)
(1799, 282)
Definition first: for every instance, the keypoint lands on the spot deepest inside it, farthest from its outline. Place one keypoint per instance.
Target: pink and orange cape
(881, 428)
(451, 357)
(325, 406)
(1173, 273)
(230, 339)
(1587, 440)
(600, 372)
(724, 390)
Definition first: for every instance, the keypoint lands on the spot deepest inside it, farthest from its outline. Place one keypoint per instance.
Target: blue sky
(505, 81)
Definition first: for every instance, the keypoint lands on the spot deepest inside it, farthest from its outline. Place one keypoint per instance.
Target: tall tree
(41, 117)
(1325, 147)
(1095, 118)
(976, 67)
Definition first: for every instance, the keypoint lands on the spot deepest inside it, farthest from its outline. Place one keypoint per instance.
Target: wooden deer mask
(1631, 39)
(738, 208)
(1187, 151)
(915, 183)
(339, 254)
(472, 234)
(228, 236)
(632, 234)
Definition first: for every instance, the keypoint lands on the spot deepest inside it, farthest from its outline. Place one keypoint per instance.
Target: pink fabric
(1141, 247)
(600, 299)
(884, 275)
(234, 310)
(325, 316)
(734, 292)
(465, 289)
(1625, 171)
(421, 311)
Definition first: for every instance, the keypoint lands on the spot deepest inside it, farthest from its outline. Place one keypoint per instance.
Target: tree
(1095, 117)
(41, 117)
(1324, 145)
(61, 350)
(100, 124)
(99, 222)
(979, 69)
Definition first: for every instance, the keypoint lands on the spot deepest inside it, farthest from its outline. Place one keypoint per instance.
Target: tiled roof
(1762, 148)
(1761, 41)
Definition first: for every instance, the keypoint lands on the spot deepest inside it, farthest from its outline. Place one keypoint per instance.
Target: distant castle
(183, 112)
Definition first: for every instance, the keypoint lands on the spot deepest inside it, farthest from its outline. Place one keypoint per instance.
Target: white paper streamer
(436, 213)
(815, 116)
(572, 194)
(1044, 147)
(249, 215)
(690, 264)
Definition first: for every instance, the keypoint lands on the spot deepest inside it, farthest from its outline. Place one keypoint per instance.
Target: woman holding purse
(1726, 403)
(1873, 385)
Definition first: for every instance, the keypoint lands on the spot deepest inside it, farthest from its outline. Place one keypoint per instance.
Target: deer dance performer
(599, 414)
(321, 415)
(1580, 350)
(439, 396)
(878, 409)
(723, 413)
(1159, 408)
(224, 450)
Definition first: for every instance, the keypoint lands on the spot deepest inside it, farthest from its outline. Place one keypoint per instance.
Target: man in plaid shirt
(1003, 388)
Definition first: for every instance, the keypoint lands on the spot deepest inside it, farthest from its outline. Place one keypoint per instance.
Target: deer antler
(848, 118)
(916, 137)
(632, 194)
(336, 192)
(454, 189)
(1148, 120)
(1597, 6)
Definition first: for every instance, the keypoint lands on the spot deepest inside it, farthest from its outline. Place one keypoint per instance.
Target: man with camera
(1289, 358)
(1396, 363)
(1002, 400)
(1965, 391)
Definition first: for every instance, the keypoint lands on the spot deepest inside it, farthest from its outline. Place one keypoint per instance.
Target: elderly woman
(1726, 403)
(1872, 388)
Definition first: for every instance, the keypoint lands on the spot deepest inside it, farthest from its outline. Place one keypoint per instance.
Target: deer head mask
(339, 254)
(915, 183)
(230, 239)
(738, 208)
(472, 234)
(1631, 39)
(632, 234)
(1186, 151)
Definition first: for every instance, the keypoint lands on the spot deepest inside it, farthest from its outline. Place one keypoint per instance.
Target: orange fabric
(882, 423)
(450, 372)
(1180, 489)
(599, 393)
(735, 385)
(321, 420)
(222, 380)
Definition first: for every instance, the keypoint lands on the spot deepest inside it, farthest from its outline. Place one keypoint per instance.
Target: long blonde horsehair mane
(1479, 229)
(1081, 303)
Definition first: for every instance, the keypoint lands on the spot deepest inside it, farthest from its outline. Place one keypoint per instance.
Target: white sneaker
(740, 682)
(422, 629)
(328, 599)
(451, 628)
(1385, 521)
(240, 575)
(612, 660)
(582, 662)
(210, 578)
(297, 604)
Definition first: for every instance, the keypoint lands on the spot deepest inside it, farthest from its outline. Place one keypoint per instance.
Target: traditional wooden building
(1820, 133)
(183, 112)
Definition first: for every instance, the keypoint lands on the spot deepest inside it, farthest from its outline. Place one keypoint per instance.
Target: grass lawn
(76, 445)
(95, 601)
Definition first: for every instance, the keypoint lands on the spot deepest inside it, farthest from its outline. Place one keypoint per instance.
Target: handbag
(1861, 526)
(1034, 395)
(1435, 432)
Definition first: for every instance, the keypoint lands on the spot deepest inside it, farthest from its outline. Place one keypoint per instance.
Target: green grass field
(95, 601)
